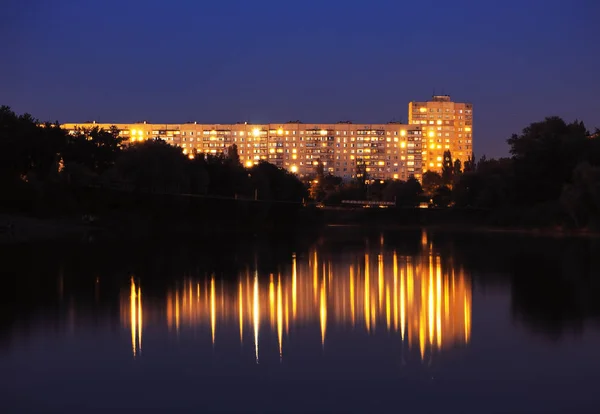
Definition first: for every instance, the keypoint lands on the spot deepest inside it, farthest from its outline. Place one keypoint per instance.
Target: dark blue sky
(317, 61)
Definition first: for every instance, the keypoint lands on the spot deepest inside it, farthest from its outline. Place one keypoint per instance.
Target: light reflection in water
(279, 318)
(426, 305)
(136, 323)
(256, 306)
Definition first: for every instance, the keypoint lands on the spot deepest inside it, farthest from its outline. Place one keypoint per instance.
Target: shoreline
(534, 232)
(31, 229)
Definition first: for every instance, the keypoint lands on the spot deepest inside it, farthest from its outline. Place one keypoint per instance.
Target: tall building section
(383, 151)
(446, 126)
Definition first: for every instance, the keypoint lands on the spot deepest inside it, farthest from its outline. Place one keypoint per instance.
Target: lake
(349, 321)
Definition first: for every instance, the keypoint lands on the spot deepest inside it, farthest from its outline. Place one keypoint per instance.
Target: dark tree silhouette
(544, 156)
(431, 182)
(154, 166)
(457, 168)
(233, 156)
(470, 163)
(447, 168)
(96, 149)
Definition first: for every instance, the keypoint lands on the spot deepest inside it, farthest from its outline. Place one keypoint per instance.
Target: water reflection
(135, 305)
(348, 315)
(422, 299)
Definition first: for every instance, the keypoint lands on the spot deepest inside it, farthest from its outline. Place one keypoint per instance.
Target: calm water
(354, 321)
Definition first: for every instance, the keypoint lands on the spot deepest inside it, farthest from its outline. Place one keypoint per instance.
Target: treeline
(551, 178)
(46, 170)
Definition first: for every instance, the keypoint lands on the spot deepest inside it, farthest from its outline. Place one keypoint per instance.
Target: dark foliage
(42, 162)
(551, 178)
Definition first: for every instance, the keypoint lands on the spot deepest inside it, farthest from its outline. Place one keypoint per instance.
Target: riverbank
(23, 229)
(558, 232)
(16, 228)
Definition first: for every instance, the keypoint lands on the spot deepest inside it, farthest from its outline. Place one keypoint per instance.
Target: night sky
(313, 60)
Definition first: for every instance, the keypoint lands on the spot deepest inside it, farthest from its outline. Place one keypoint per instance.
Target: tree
(317, 185)
(320, 170)
(361, 172)
(457, 169)
(447, 168)
(96, 149)
(481, 162)
(404, 193)
(491, 186)
(581, 198)
(392, 190)
(431, 182)
(330, 184)
(544, 156)
(351, 191)
(154, 166)
(470, 163)
(592, 149)
(277, 184)
(233, 156)
(442, 196)
(411, 192)
(28, 147)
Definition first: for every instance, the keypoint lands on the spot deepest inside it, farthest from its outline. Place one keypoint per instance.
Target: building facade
(385, 151)
(446, 125)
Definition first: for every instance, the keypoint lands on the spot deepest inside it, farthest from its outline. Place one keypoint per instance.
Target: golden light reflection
(139, 318)
(241, 310)
(213, 311)
(256, 311)
(279, 318)
(271, 300)
(294, 284)
(367, 295)
(323, 312)
(352, 299)
(424, 301)
(135, 318)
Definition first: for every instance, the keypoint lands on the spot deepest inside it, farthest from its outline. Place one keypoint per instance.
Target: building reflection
(424, 301)
(132, 316)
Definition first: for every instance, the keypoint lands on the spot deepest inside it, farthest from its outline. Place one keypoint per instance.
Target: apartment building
(446, 125)
(386, 151)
